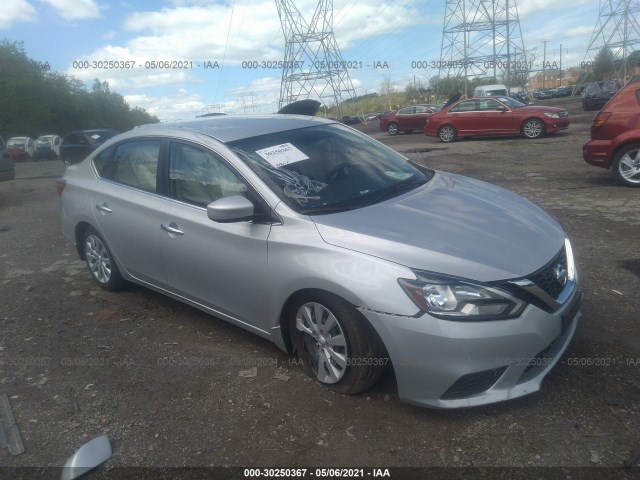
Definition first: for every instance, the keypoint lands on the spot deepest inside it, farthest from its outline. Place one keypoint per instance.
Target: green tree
(603, 65)
(36, 101)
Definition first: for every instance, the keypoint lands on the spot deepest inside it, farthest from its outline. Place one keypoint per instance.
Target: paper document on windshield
(281, 155)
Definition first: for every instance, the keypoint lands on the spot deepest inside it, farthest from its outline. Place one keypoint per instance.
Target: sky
(219, 43)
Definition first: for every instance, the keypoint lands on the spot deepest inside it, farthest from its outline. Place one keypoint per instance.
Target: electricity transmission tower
(618, 30)
(313, 66)
(482, 38)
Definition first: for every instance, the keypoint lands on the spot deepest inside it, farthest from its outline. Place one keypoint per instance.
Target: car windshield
(43, 141)
(328, 168)
(16, 144)
(511, 102)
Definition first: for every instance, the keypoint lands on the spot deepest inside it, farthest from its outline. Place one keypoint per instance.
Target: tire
(533, 128)
(447, 134)
(336, 345)
(626, 165)
(100, 261)
(393, 128)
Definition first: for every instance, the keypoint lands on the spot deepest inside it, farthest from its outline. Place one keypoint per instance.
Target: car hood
(453, 225)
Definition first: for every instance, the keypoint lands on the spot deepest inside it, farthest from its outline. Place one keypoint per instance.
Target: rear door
(127, 207)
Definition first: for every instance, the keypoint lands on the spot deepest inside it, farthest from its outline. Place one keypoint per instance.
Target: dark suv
(615, 136)
(80, 143)
(597, 94)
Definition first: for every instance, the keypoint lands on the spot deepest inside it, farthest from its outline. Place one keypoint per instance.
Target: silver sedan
(336, 248)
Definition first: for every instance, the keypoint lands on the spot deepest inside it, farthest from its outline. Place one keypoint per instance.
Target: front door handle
(171, 228)
(103, 208)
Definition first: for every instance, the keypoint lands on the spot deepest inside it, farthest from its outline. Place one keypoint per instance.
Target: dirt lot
(173, 387)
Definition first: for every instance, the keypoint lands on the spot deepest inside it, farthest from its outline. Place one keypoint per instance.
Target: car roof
(229, 128)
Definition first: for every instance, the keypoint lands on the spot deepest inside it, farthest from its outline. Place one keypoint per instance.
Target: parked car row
(25, 148)
(74, 147)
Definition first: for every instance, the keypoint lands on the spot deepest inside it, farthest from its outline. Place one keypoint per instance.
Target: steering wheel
(342, 170)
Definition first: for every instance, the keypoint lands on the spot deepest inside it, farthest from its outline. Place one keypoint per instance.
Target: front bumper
(556, 124)
(449, 364)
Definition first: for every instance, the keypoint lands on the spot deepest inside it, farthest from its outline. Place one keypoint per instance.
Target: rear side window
(637, 92)
(134, 164)
(198, 176)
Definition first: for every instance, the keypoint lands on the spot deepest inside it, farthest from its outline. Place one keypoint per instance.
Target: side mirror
(502, 109)
(231, 209)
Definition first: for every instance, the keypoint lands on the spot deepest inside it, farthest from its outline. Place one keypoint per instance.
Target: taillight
(600, 119)
(60, 184)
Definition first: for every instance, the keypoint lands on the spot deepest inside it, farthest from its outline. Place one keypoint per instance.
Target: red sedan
(407, 119)
(492, 116)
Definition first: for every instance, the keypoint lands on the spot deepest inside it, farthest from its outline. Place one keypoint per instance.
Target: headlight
(552, 115)
(456, 299)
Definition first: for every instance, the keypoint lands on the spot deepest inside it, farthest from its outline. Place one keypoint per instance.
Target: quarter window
(200, 177)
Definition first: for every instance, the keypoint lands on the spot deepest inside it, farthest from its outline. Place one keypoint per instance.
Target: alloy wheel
(98, 259)
(324, 340)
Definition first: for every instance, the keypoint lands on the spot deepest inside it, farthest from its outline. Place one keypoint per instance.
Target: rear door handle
(103, 208)
(171, 228)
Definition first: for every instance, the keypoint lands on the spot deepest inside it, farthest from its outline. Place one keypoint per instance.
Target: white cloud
(16, 11)
(197, 30)
(75, 9)
(530, 7)
(179, 105)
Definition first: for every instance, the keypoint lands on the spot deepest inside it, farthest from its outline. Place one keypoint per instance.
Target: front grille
(473, 384)
(547, 277)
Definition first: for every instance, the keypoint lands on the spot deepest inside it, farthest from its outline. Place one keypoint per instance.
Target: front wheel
(100, 261)
(533, 128)
(393, 128)
(447, 134)
(626, 165)
(336, 345)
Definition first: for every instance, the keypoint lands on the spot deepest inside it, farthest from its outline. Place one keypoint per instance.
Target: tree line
(36, 101)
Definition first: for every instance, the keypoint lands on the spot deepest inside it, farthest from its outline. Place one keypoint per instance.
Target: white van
(490, 90)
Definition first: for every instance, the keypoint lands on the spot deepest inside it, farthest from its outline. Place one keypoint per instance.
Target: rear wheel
(533, 128)
(338, 348)
(393, 129)
(626, 165)
(447, 134)
(100, 261)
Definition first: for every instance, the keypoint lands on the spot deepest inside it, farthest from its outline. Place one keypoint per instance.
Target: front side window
(328, 168)
(200, 177)
(489, 105)
(466, 106)
(134, 164)
(405, 111)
